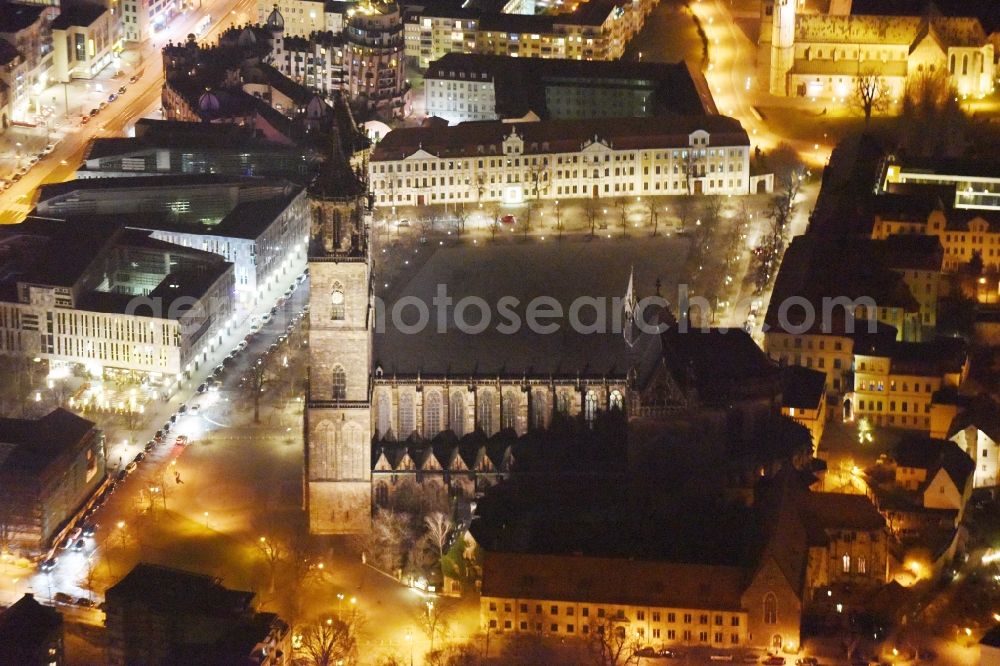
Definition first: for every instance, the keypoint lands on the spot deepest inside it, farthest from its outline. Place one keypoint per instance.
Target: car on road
(129, 468)
(807, 661)
(48, 565)
(182, 409)
(202, 387)
(33, 160)
(84, 602)
(84, 120)
(133, 78)
(403, 223)
(167, 426)
(121, 475)
(219, 369)
(774, 660)
(646, 652)
(102, 105)
(48, 149)
(94, 112)
(182, 440)
(16, 177)
(112, 97)
(79, 545)
(667, 653)
(159, 435)
(121, 91)
(75, 534)
(150, 445)
(139, 457)
(62, 598)
(508, 219)
(195, 408)
(90, 529)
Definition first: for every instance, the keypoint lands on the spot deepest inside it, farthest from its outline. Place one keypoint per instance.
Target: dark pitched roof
(912, 252)
(611, 580)
(463, 140)
(934, 454)
(169, 590)
(16, 16)
(982, 413)
(991, 638)
(38, 442)
(716, 360)
(830, 511)
(924, 359)
(78, 15)
(803, 388)
(24, 627)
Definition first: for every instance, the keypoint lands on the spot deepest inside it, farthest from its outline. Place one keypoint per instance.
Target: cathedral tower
(782, 45)
(338, 412)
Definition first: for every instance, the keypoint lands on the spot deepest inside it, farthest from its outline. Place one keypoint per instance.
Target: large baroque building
(819, 55)
(562, 159)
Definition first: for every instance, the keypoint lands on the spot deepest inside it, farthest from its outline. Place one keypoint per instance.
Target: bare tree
(461, 216)
(390, 538)
(559, 221)
(621, 203)
(331, 641)
(261, 374)
(272, 552)
(432, 618)
(526, 219)
(609, 642)
(538, 176)
(591, 212)
(871, 93)
(495, 214)
(654, 215)
(438, 526)
(480, 185)
(464, 654)
(932, 120)
(685, 209)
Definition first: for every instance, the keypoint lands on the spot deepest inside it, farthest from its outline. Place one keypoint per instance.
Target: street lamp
(409, 639)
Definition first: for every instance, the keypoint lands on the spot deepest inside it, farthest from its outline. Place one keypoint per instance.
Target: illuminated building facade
(561, 159)
(84, 39)
(25, 54)
(820, 55)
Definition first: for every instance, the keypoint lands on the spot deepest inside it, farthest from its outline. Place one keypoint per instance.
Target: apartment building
(51, 466)
(114, 300)
(25, 54)
(895, 383)
(596, 30)
(84, 37)
(514, 162)
(462, 87)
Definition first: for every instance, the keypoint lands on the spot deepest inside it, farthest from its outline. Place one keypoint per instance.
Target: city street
(70, 135)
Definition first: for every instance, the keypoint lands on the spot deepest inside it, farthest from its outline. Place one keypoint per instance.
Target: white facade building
(514, 162)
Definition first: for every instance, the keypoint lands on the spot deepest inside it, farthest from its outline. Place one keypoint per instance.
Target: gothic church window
(338, 304)
(456, 414)
(384, 424)
(432, 415)
(590, 407)
(508, 411)
(486, 412)
(770, 608)
(339, 383)
(406, 424)
(539, 409)
(617, 400)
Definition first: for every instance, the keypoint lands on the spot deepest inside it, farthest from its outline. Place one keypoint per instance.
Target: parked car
(133, 78)
(158, 436)
(121, 91)
(182, 440)
(94, 112)
(102, 105)
(721, 656)
(774, 660)
(65, 544)
(84, 602)
(182, 409)
(122, 474)
(112, 97)
(84, 120)
(63, 598)
(139, 457)
(79, 545)
(48, 565)
(646, 652)
(129, 468)
(48, 149)
(202, 387)
(667, 653)
(90, 529)
(195, 408)
(750, 658)
(16, 177)
(75, 533)
(150, 445)
(807, 661)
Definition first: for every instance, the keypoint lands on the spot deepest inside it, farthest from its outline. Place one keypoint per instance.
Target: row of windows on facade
(452, 165)
(656, 633)
(880, 385)
(640, 615)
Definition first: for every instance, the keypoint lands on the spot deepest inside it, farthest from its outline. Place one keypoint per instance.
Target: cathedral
(821, 54)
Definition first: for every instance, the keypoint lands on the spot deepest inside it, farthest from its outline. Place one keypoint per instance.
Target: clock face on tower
(338, 297)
